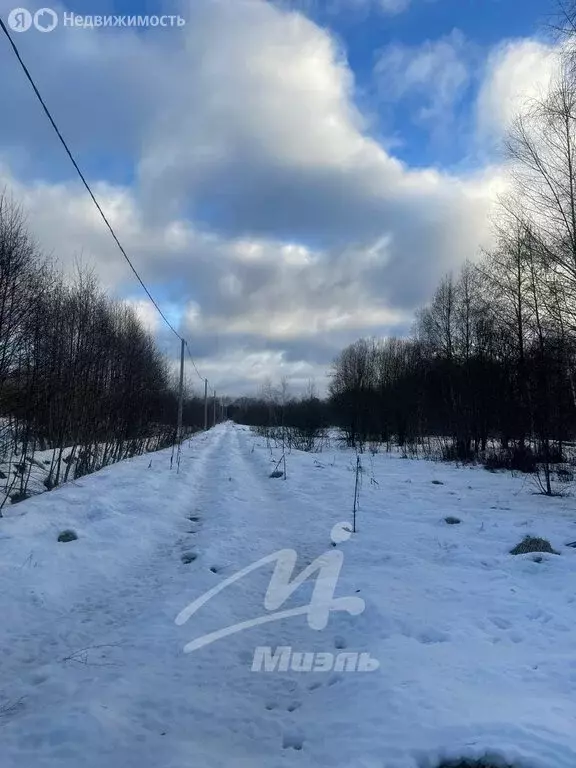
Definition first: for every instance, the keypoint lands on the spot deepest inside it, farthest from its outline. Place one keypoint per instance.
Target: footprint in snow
(292, 707)
(500, 622)
(334, 678)
(292, 740)
(38, 678)
(432, 636)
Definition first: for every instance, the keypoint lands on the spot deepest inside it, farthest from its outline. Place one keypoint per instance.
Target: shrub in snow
(452, 520)
(189, 557)
(533, 544)
(565, 475)
(518, 459)
(523, 459)
(494, 462)
(67, 535)
(16, 497)
(484, 763)
(457, 451)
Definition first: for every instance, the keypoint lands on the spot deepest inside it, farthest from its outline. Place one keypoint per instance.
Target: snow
(38, 465)
(476, 646)
(37, 468)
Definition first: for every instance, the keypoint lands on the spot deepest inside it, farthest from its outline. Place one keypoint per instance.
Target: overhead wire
(93, 196)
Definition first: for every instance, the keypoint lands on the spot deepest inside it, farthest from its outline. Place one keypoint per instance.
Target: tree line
(80, 377)
(294, 422)
(491, 363)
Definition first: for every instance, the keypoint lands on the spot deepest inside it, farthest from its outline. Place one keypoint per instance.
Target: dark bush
(495, 461)
(522, 459)
(554, 455)
(533, 544)
(457, 451)
(67, 535)
(564, 475)
(16, 498)
(482, 763)
(518, 459)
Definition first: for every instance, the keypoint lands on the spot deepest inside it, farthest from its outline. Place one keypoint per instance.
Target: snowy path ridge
(476, 648)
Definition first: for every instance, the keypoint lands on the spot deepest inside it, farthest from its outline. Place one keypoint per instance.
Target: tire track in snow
(280, 512)
(85, 633)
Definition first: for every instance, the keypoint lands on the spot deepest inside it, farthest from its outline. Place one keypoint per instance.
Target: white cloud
(264, 215)
(257, 84)
(436, 72)
(516, 71)
(147, 314)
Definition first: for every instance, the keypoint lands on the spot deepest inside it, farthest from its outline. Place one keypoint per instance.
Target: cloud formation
(245, 183)
(516, 72)
(434, 73)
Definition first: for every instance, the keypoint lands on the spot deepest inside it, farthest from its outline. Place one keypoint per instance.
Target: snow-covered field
(476, 647)
(38, 465)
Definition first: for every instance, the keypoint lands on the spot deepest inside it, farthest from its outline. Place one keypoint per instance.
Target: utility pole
(214, 407)
(180, 393)
(205, 404)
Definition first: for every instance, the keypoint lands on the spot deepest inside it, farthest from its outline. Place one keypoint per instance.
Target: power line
(193, 363)
(196, 369)
(94, 200)
(81, 175)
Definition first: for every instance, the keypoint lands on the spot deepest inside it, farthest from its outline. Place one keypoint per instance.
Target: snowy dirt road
(476, 647)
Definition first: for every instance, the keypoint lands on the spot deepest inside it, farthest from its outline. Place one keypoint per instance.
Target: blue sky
(364, 32)
(483, 25)
(288, 176)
